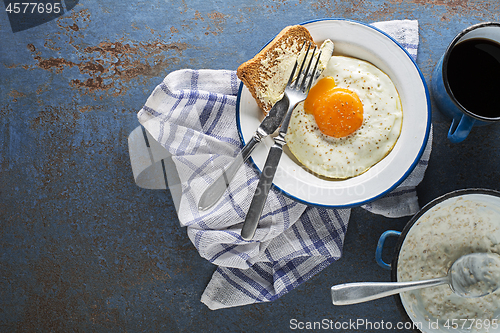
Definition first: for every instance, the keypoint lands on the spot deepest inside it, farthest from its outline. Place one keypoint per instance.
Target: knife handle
(214, 192)
(263, 188)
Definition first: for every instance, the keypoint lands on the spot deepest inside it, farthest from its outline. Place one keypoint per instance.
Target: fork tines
(306, 75)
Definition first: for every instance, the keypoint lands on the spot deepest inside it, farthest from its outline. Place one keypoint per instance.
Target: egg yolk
(338, 111)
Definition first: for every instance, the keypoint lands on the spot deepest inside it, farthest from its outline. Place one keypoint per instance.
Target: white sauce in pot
(449, 230)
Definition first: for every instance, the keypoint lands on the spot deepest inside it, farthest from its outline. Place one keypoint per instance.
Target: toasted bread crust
(255, 72)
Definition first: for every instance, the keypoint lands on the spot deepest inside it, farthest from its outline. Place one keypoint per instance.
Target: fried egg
(350, 120)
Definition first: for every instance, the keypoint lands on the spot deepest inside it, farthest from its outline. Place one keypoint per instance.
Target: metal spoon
(472, 275)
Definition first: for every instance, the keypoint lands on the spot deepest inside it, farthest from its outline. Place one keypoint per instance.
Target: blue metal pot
(393, 265)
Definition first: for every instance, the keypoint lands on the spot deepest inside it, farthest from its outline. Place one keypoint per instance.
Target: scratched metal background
(83, 248)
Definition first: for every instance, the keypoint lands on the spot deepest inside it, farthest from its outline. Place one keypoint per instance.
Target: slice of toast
(266, 74)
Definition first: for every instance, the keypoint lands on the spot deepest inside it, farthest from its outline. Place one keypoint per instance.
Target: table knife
(267, 127)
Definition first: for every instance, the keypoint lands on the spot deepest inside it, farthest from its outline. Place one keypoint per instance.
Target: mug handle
(460, 128)
(380, 246)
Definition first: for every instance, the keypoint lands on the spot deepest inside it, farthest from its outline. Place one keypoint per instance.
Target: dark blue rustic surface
(83, 248)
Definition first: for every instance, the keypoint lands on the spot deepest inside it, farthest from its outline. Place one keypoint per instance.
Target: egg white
(342, 158)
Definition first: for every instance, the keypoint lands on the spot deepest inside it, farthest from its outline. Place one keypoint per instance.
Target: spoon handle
(358, 292)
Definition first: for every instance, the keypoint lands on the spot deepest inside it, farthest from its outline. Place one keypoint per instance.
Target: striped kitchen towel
(190, 121)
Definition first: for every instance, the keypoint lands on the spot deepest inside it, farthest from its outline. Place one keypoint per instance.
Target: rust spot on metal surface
(109, 65)
(57, 63)
(447, 3)
(46, 308)
(91, 67)
(215, 22)
(86, 108)
(80, 19)
(324, 6)
(50, 44)
(5, 110)
(43, 88)
(15, 95)
(216, 16)
(218, 20)
(198, 16)
(91, 84)
(454, 7)
(119, 48)
(50, 115)
(384, 13)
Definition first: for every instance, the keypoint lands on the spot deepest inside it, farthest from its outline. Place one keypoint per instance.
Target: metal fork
(296, 91)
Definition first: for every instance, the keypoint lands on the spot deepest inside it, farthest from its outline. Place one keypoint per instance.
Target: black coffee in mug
(473, 72)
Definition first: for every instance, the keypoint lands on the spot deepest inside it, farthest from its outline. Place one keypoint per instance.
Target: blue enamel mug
(451, 96)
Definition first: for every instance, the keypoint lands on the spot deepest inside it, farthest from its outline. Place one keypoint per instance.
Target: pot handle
(380, 246)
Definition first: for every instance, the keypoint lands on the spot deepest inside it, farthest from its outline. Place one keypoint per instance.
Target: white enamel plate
(364, 42)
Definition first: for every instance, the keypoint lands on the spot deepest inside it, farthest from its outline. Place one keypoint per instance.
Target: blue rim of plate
(405, 175)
